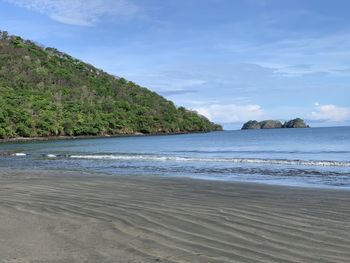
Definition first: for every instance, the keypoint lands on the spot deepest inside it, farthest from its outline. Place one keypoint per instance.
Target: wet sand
(53, 216)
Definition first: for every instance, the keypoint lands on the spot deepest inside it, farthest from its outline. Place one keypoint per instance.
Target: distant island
(274, 124)
(48, 93)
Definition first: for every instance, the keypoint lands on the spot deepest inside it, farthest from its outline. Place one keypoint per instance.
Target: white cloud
(231, 113)
(78, 12)
(330, 113)
(324, 53)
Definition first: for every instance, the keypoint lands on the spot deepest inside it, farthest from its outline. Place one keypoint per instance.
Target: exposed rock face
(251, 125)
(270, 124)
(295, 123)
(274, 124)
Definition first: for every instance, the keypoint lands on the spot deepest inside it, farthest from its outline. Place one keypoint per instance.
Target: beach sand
(53, 216)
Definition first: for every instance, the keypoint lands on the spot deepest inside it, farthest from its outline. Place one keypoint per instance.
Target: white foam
(226, 160)
(122, 157)
(19, 154)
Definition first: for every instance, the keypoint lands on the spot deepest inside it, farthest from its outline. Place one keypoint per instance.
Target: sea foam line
(19, 154)
(226, 160)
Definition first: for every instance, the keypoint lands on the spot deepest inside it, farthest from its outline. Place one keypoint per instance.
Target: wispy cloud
(177, 92)
(231, 113)
(288, 54)
(79, 12)
(330, 113)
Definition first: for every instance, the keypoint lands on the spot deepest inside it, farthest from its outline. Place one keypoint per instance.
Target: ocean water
(315, 157)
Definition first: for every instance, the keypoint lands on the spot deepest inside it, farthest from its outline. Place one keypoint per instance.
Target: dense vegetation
(44, 92)
(274, 124)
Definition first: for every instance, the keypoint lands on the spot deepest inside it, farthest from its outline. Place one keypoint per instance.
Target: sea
(313, 157)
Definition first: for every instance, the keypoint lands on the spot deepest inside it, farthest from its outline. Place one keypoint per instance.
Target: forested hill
(44, 92)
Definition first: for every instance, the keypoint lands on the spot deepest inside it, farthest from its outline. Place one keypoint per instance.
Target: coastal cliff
(274, 124)
(47, 93)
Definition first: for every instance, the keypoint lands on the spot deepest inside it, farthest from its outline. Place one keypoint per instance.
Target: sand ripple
(72, 217)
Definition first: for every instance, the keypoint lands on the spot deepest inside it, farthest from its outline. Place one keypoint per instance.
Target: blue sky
(230, 60)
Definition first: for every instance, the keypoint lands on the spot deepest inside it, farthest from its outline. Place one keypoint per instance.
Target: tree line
(45, 92)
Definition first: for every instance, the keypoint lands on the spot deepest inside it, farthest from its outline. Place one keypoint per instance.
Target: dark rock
(295, 123)
(251, 125)
(274, 124)
(270, 124)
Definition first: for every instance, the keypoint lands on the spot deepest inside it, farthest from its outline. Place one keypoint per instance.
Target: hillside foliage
(45, 92)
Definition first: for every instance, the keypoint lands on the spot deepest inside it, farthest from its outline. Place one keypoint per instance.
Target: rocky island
(274, 124)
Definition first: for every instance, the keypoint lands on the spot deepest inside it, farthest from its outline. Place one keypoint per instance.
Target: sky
(231, 61)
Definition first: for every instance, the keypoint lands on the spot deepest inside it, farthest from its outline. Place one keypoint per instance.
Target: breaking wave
(226, 160)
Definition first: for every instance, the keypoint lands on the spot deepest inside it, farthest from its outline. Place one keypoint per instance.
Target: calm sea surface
(318, 157)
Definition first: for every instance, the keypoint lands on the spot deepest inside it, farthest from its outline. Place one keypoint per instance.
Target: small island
(274, 124)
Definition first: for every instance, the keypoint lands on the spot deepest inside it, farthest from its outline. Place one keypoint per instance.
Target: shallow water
(318, 157)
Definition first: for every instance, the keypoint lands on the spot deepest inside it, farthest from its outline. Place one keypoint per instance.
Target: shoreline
(78, 173)
(81, 174)
(137, 134)
(91, 217)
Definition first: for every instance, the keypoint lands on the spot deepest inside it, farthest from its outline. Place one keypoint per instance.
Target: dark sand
(75, 217)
